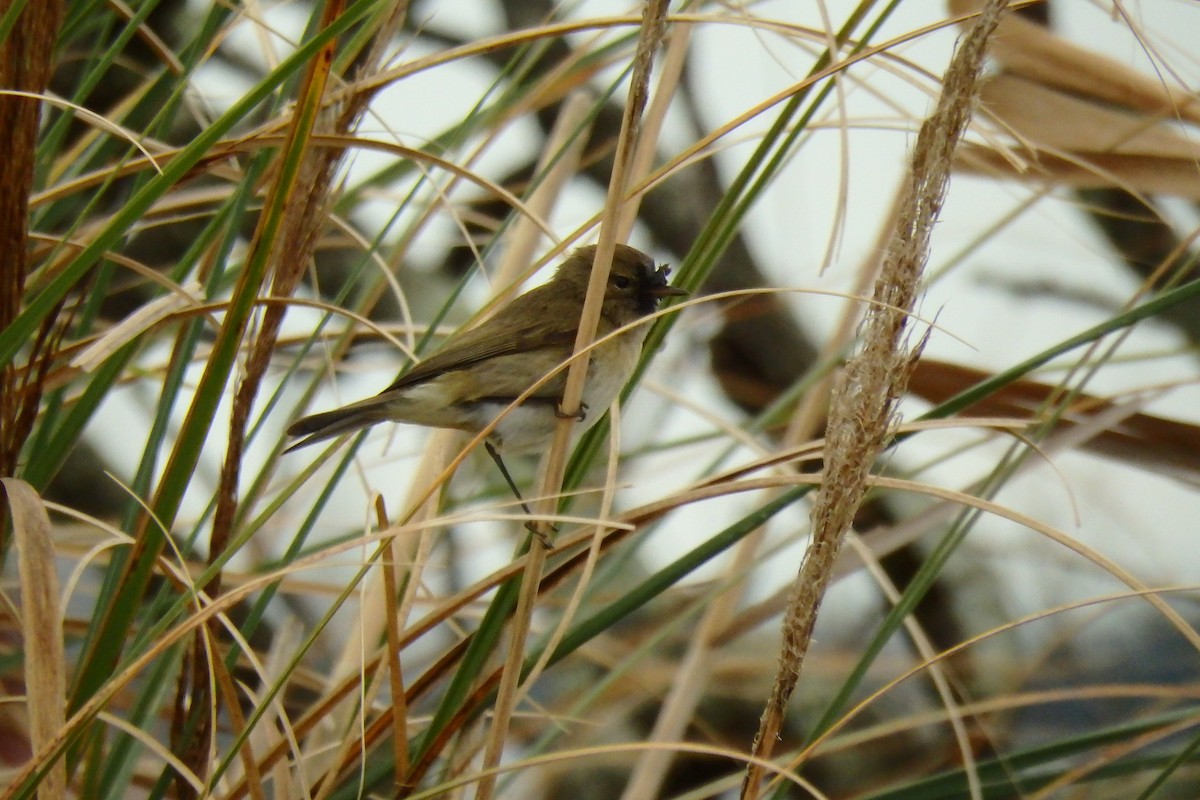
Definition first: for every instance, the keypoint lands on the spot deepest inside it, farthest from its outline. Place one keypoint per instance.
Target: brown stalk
(865, 394)
(26, 64)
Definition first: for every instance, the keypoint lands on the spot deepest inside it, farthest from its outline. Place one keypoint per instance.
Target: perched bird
(479, 372)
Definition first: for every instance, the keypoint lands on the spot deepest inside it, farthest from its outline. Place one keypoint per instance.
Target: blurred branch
(1148, 246)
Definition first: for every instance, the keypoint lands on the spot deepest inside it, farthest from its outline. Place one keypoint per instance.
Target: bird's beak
(663, 290)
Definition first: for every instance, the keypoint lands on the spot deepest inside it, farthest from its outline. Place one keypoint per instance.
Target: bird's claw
(578, 416)
(541, 535)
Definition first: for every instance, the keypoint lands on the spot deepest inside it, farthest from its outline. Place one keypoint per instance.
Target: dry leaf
(41, 625)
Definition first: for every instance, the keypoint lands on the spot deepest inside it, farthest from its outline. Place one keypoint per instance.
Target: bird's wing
(523, 326)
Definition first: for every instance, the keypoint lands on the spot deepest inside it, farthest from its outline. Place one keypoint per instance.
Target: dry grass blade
(136, 324)
(856, 712)
(41, 625)
(864, 397)
(388, 561)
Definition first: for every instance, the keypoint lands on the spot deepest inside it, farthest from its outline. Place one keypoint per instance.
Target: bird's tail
(347, 419)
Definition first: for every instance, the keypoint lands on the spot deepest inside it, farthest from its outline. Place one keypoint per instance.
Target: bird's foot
(542, 536)
(578, 416)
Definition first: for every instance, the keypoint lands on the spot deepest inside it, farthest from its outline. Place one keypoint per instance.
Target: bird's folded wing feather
(521, 327)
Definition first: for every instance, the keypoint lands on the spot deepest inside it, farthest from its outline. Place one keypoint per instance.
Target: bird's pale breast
(528, 428)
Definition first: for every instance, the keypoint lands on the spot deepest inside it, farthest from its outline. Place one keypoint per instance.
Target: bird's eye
(621, 282)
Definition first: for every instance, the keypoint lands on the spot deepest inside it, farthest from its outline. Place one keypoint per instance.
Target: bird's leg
(530, 525)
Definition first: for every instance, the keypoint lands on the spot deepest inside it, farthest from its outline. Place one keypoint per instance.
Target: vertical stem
(653, 28)
(26, 63)
(864, 397)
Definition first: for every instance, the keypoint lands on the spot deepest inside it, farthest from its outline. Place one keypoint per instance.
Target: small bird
(478, 373)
